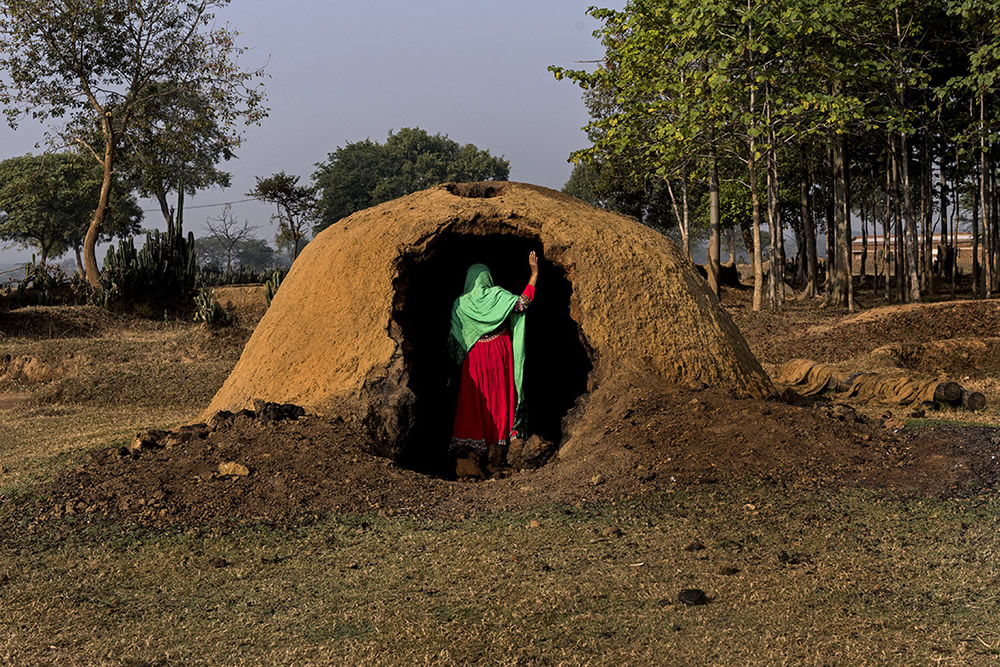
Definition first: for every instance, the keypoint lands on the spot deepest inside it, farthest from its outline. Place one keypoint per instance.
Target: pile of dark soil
(648, 439)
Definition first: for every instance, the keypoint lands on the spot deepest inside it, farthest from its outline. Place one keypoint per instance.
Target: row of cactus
(271, 286)
(208, 277)
(159, 276)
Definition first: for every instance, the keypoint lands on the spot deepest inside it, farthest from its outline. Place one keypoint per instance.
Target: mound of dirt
(43, 322)
(839, 338)
(247, 303)
(359, 327)
(649, 438)
(27, 369)
(958, 356)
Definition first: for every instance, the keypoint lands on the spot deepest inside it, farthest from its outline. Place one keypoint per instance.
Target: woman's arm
(528, 294)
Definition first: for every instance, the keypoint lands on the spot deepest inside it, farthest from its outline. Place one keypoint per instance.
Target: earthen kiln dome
(343, 333)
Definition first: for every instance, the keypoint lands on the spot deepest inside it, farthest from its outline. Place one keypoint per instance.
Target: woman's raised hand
(533, 262)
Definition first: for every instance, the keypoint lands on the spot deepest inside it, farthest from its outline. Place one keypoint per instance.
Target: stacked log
(810, 378)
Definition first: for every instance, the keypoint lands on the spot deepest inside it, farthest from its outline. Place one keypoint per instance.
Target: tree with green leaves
(46, 202)
(365, 173)
(296, 206)
(106, 62)
(176, 143)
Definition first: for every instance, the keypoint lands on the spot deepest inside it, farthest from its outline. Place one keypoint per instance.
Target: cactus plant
(160, 275)
(271, 286)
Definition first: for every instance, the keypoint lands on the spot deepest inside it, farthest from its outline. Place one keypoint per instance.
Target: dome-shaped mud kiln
(359, 326)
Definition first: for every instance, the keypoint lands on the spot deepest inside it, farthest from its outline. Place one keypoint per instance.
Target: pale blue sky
(345, 71)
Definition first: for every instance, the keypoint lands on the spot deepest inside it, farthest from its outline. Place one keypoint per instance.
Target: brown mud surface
(653, 439)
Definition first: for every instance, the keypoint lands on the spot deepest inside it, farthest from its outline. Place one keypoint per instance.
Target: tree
(296, 206)
(175, 144)
(602, 186)
(107, 62)
(251, 253)
(47, 200)
(227, 232)
(365, 173)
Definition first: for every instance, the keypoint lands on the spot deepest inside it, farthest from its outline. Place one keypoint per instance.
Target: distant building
(877, 252)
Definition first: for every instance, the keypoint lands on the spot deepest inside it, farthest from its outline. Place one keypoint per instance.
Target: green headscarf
(482, 308)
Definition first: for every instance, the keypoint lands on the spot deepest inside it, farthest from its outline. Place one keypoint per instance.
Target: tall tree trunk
(863, 269)
(747, 235)
(168, 213)
(954, 231)
(685, 211)
(839, 292)
(887, 223)
(927, 215)
(775, 283)
(79, 260)
(984, 197)
(808, 228)
(758, 259)
(94, 228)
(714, 216)
(910, 240)
(899, 265)
(943, 246)
(977, 290)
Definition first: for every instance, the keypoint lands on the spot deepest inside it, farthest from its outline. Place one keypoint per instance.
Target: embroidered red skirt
(486, 396)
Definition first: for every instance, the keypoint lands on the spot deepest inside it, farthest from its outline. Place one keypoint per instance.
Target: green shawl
(482, 308)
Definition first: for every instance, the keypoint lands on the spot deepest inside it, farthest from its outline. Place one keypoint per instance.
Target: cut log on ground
(810, 378)
(973, 400)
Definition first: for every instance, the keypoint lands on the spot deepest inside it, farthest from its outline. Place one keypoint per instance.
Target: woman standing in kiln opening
(487, 337)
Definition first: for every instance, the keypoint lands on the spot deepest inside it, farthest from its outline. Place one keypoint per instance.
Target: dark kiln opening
(556, 363)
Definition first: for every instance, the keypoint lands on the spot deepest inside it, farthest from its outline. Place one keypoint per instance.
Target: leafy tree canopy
(46, 202)
(366, 173)
(120, 64)
(295, 204)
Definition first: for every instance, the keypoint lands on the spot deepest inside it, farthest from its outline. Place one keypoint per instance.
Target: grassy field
(841, 578)
(833, 577)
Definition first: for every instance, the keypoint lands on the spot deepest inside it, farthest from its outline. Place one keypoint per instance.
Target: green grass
(878, 579)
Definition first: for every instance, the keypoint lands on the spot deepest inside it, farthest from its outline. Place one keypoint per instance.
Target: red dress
(486, 395)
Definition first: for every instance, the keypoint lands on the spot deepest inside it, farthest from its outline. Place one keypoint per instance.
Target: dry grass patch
(856, 577)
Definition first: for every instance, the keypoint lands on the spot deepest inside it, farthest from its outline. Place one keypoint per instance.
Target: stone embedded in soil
(692, 597)
(645, 475)
(146, 441)
(515, 453)
(219, 419)
(233, 469)
(793, 397)
(844, 413)
(219, 562)
(467, 468)
(694, 546)
(597, 480)
(537, 450)
(728, 570)
(613, 531)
